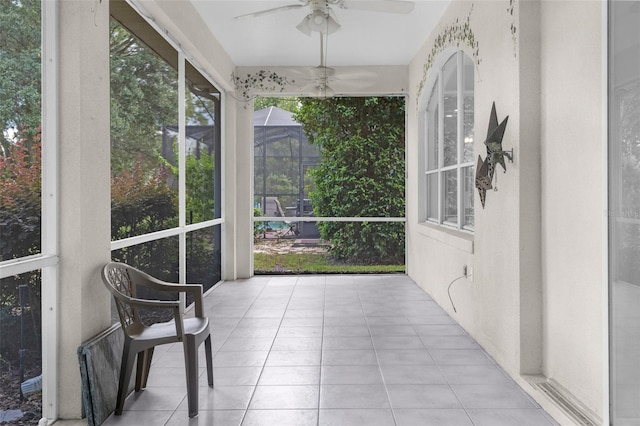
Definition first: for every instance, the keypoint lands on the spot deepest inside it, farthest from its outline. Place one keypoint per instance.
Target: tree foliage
(20, 230)
(20, 178)
(361, 173)
(200, 187)
(144, 161)
(144, 98)
(20, 181)
(20, 100)
(286, 103)
(141, 202)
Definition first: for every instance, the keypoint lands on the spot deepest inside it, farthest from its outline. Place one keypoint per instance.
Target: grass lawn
(302, 263)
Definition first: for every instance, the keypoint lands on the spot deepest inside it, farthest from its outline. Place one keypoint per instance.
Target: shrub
(20, 218)
(20, 181)
(361, 174)
(142, 201)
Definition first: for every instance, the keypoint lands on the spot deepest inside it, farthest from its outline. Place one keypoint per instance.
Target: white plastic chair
(140, 339)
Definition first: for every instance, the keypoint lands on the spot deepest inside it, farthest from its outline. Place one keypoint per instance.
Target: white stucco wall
(84, 188)
(536, 299)
(487, 306)
(573, 207)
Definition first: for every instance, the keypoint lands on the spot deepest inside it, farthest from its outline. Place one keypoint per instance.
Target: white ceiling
(366, 38)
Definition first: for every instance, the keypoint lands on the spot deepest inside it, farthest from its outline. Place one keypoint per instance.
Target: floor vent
(573, 410)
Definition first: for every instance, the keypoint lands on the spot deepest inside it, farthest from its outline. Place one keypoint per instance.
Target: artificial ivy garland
(514, 29)
(264, 80)
(460, 33)
(454, 34)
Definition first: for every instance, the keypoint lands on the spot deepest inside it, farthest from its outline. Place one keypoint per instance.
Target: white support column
(244, 190)
(529, 193)
(229, 189)
(49, 289)
(238, 191)
(84, 183)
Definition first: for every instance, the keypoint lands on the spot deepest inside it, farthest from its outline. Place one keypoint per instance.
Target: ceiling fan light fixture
(304, 26)
(324, 91)
(318, 21)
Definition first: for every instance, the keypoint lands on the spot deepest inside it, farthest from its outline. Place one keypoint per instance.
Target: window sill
(460, 240)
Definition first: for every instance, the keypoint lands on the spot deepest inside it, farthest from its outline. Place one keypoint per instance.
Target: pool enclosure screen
(283, 158)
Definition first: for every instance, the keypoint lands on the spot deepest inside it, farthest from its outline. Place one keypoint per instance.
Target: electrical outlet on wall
(470, 273)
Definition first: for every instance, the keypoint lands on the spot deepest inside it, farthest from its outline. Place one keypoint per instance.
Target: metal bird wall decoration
(485, 169)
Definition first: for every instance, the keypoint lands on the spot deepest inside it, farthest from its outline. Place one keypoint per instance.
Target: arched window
(447, 119)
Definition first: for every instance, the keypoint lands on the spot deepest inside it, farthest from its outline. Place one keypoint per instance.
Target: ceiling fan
(321, 76)
(320, 87)
(322, 18)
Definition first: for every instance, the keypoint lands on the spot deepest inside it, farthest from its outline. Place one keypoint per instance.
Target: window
(447, 138)
(166, 151)
(624, 210)
(28, 234)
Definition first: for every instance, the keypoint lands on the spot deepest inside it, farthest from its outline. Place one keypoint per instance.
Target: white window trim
(47, 261)
(49, 275)
(436, 80)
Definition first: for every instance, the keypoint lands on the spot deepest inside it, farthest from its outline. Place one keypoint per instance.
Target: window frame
(426, 113)
(135, 20)
(48, 259)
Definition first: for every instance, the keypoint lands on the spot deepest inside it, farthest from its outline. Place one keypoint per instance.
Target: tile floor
(333, 350)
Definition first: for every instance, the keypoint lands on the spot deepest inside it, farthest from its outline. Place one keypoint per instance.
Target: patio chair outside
(293, 227)
(140, 339)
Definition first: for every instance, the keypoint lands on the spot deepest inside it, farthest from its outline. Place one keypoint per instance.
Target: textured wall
(537, 297)
(573, 197)
(84, 187)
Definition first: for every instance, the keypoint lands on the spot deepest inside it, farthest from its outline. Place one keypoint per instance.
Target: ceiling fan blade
(332, 14)
(387, 6)
(270, 11)
(322, 72)
(318, 91)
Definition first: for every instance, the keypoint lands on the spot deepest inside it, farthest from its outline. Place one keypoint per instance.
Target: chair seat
(192, 326)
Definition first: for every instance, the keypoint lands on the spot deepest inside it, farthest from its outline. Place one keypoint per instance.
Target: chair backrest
(117, 279)
(279, 208)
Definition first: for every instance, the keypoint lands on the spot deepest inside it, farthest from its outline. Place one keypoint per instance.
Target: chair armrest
(142, 279)
(139, 278)
(146, 280)
(146, 303)
(174, 305)
(194, 289)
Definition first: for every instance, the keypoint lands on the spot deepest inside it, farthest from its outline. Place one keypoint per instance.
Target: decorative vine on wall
(456, 34)
(264, 80)
(461, 33)
(94, 10)
(514, 29)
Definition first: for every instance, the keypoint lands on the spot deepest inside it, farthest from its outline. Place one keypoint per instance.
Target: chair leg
(139, 370)
(191, 367)
(144, 366)
(126, 367)
(208, 354)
